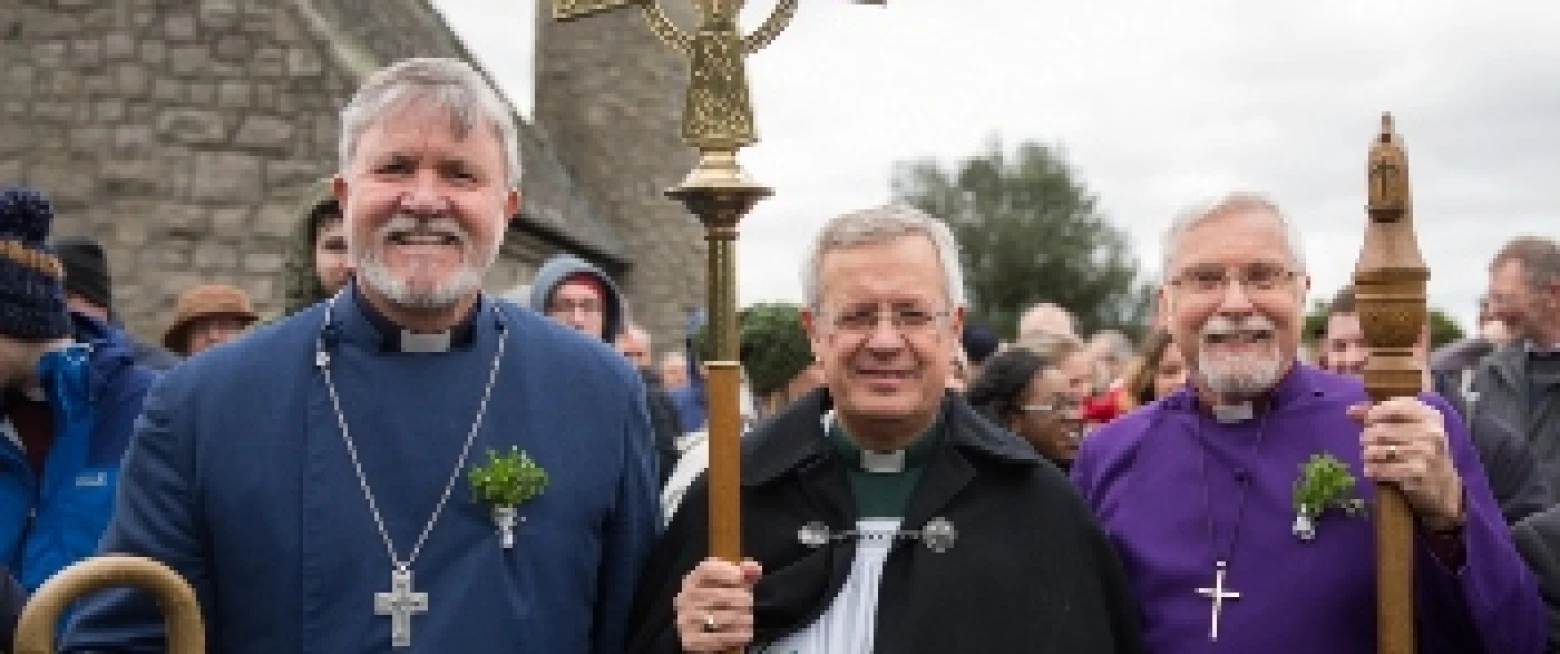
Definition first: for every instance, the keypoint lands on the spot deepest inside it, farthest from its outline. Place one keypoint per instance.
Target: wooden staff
(1389, 283)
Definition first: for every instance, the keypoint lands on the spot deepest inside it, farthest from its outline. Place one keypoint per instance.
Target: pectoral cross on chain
(400, 603)
(1217, 594)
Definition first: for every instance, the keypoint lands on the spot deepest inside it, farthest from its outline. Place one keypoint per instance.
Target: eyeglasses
(905, 318)
(589, 305)
(1058, 405)
(1214, 279)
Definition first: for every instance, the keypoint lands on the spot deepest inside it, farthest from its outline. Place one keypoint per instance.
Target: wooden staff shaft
(1390, 281)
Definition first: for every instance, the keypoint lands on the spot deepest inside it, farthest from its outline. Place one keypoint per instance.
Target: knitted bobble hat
(32, 299)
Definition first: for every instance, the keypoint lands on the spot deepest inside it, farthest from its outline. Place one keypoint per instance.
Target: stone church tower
(180, 134)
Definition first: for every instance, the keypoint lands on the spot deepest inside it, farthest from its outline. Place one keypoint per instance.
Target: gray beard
(375, 275)
(1254, 378)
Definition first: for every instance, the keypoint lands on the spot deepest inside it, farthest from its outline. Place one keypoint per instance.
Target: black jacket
(1030, 571)
(1538, 540)
(663, 419)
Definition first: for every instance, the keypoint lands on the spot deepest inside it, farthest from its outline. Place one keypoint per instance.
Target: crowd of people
(399, 460)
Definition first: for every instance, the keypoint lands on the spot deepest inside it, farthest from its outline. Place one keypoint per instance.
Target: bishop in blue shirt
(312, 480)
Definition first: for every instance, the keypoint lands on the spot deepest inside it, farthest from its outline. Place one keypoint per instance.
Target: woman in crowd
(1031, 396)
(1157, 370)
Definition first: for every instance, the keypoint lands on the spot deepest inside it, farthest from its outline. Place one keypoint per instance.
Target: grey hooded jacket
(663, 413)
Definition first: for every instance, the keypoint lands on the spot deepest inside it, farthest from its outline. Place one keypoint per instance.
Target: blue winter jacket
(95, 389)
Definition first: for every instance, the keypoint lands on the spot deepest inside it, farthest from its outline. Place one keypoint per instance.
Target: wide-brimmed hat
(206, 301)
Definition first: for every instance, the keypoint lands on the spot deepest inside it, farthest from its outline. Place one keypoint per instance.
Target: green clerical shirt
(883, 494)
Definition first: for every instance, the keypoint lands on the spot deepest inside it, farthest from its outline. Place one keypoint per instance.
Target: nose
(1234, 300)
(424, 196)
(884, 335)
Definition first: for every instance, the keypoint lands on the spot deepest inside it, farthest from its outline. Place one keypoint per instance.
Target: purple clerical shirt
(1166, 483)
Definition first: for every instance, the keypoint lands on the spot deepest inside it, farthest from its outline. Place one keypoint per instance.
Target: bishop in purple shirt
(1196, 491)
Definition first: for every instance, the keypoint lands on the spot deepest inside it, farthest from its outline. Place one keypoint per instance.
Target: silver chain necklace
(401, 602)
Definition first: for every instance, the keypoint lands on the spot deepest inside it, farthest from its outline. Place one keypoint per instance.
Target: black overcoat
(1029, 571)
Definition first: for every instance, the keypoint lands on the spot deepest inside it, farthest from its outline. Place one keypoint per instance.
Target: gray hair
(1049, 346)
(449, 84)
(1238, 202)
(1539, 256)
(881, 225)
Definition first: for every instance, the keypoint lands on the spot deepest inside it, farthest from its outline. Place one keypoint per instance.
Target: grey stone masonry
(181, 133)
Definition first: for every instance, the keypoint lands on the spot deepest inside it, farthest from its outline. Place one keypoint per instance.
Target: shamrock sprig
(507, 479)
(1325, 482)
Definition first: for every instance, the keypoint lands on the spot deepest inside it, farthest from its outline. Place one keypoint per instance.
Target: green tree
(1443, 328)
(1029, 231)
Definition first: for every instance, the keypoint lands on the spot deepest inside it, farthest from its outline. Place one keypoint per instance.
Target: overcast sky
(1157, 105)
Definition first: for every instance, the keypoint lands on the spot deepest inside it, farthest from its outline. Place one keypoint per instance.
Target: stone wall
(177, 133)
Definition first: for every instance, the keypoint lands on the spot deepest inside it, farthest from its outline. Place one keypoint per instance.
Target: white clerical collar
(882, 462)
(875, 461)
(1232, 413)
(393, 338)
(423, 343)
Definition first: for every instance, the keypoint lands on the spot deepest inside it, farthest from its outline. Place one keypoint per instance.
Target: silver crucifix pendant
(400, 603)
(506, 517)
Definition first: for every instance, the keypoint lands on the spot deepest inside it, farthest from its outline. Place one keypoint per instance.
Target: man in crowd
(870, 503)
(674, 370)
(1509, 466)
(1047, 318)
(329, 483)
(89, 290)
(1520, 382)
(206, 316)
(578, 294)
(1197, 490)
(67, 404)
(635, 345)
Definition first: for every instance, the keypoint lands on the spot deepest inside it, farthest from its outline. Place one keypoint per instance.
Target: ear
(338, 189)
(956, 322)
(511, 204)
(814, 335)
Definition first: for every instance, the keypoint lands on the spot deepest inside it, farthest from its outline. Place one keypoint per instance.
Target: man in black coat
(881, 513)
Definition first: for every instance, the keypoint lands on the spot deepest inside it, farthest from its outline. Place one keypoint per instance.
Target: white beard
(375, 274)
(1239, 375)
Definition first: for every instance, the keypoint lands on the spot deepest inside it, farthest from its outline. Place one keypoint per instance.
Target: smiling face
(1527, 308)
(1239, 335)
(1344, 344)
(1050, 415)
(425, 208)
(885, 335)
